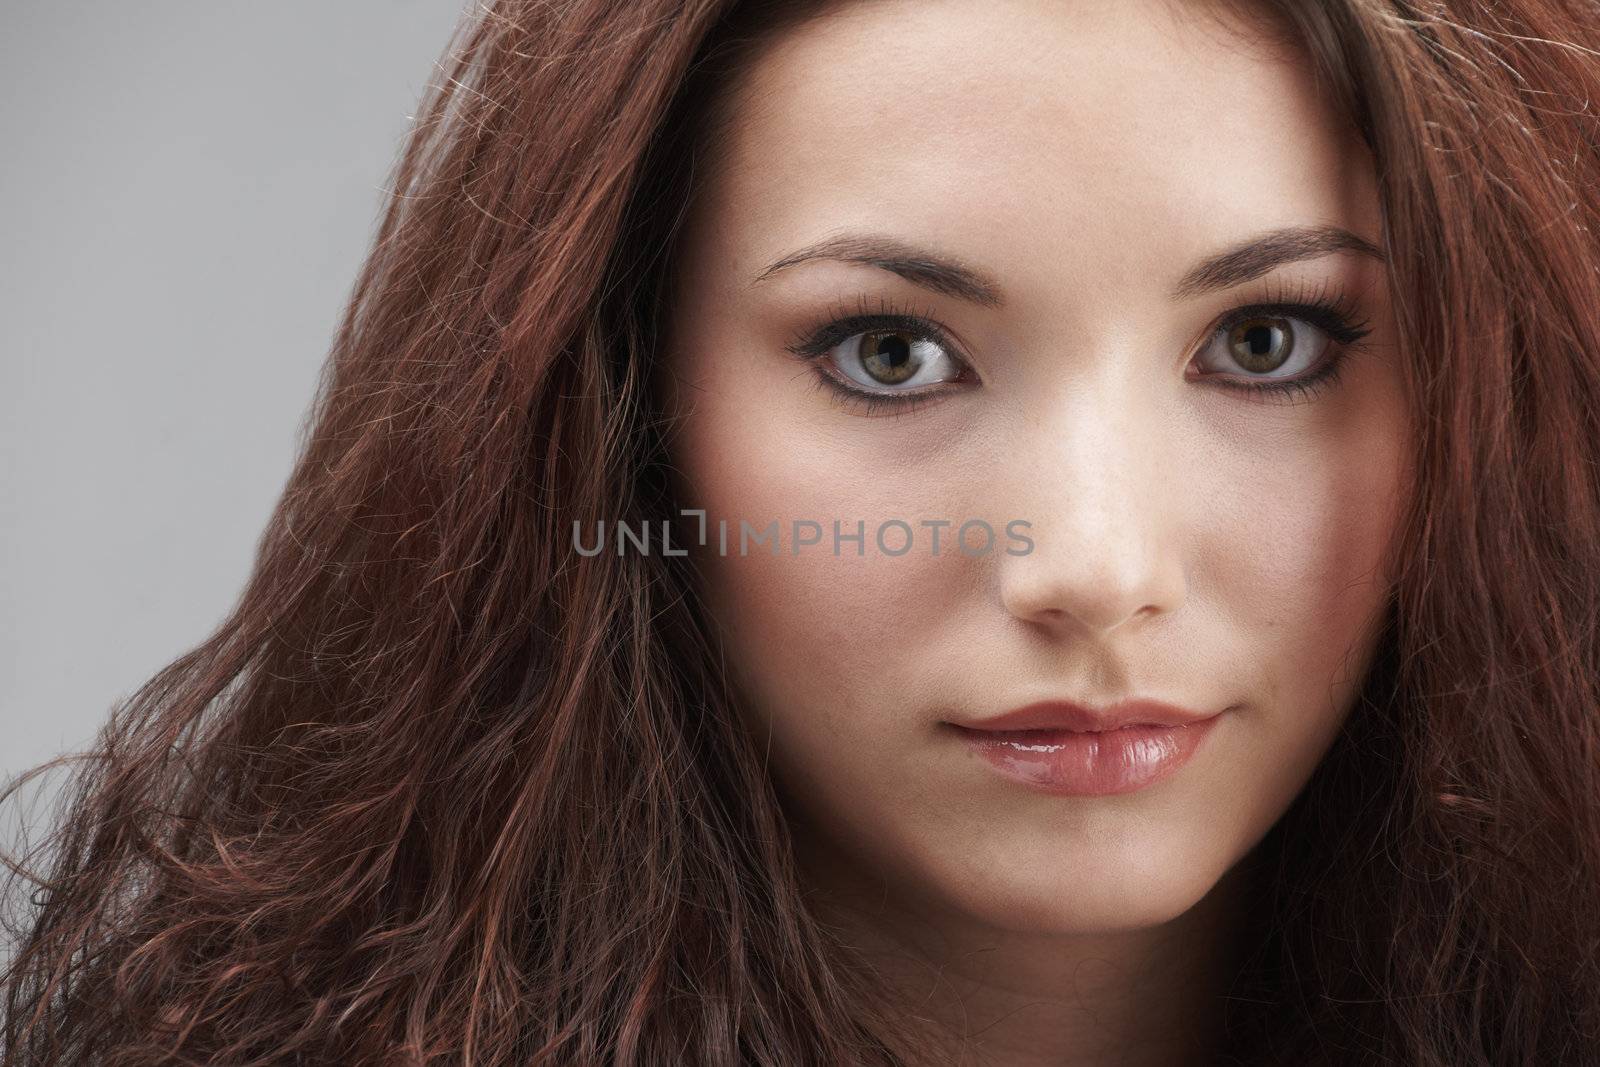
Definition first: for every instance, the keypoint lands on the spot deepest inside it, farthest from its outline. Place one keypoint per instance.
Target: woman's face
(1116, 178)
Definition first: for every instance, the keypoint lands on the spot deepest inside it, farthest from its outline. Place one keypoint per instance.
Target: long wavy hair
(442, 790)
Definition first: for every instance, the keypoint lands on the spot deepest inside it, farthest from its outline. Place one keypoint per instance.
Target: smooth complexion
(1109, 175)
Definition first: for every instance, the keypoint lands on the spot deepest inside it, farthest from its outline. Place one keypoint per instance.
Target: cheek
(810, 634)
(810, 626)
(1293, 553)
(1295, 559)
(829, 651)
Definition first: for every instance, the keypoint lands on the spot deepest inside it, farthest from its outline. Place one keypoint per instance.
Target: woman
(602, 694)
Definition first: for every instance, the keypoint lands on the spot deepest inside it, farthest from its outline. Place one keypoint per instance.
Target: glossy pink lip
(1069, 750)
(1065, 715)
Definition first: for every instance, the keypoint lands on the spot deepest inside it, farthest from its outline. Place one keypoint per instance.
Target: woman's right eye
(893, 360)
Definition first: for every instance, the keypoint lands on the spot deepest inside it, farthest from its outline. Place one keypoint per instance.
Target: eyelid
(843, 321)
(1327, 304)
(1338, 325)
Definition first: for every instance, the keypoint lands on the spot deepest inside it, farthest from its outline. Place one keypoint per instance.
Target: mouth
(1066, 715)
(1047, 735)
(1068, 750)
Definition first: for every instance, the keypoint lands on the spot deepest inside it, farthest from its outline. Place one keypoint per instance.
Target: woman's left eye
(1289, 350)
(1267, 344)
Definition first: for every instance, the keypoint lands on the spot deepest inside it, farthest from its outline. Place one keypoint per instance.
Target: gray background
(186, 192)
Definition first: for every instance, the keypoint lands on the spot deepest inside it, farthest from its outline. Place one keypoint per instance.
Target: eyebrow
(1235, 265)
(1250, 259)
(930, 270)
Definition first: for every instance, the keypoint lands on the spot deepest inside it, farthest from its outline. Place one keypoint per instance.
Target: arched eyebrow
(930, 270)
(1251, 258)
(940, 273)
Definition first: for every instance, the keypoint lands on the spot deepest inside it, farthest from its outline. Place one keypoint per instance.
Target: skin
(1191, 543)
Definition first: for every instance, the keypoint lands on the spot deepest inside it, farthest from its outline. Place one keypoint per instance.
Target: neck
(964, 992)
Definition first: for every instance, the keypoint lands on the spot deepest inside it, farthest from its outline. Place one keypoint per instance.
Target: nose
(1101, 494)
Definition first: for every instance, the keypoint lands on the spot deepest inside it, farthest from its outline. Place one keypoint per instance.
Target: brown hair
(442, 789)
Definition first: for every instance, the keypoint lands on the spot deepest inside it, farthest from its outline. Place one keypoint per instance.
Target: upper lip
(1067, 715)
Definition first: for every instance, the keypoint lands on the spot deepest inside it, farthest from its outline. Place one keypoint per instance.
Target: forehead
(1139, 133)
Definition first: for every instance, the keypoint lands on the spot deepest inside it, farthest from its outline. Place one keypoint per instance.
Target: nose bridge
(1099, 495)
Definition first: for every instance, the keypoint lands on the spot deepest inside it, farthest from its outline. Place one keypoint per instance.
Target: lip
(1068, 749)
(1080, 718)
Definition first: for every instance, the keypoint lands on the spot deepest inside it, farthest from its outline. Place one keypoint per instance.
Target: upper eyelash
(842, 323)
(1329, 308)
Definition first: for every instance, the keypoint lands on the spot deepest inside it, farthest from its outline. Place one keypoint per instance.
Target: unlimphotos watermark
(891, 537)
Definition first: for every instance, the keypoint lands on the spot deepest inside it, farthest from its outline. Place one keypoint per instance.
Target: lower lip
(1081, 764)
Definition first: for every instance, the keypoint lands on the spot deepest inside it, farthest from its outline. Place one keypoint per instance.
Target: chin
(1107, 893)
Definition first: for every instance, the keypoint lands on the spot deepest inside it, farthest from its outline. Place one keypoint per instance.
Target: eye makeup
(1326, 309)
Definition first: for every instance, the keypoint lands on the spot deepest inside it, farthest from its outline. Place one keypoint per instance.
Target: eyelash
(1333, 312)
